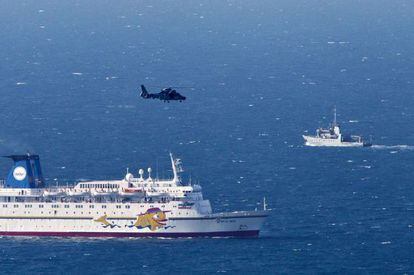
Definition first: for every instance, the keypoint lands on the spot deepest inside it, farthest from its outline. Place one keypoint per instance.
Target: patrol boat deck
(129, 207)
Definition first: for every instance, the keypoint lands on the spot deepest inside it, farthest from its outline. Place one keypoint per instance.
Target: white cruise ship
(129, 207)
(333, 137)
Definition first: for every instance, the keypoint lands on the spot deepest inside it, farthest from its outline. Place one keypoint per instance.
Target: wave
(393, 147)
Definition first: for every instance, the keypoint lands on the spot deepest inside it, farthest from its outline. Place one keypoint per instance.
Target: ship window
(66, 206)
(16, 206)
(127, 206)
(5, 205)
(118, 206)
(41, 206)
(91, 206)
(103, 206)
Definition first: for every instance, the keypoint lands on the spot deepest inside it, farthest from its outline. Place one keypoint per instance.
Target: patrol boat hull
(317, 141)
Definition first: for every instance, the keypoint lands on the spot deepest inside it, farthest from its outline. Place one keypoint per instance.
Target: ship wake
(393, 147)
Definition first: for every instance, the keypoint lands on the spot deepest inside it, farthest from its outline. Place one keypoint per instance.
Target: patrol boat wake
(130, 207)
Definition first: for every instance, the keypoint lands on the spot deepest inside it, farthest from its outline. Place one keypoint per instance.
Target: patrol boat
(128, 207)
(333, 137)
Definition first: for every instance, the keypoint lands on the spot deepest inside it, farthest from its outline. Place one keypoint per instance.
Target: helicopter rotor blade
(173, 87)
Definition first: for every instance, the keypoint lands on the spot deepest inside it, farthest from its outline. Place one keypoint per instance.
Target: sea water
(257, 75)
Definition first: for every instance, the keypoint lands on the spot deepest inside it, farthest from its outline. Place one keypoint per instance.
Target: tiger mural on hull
(153, 218)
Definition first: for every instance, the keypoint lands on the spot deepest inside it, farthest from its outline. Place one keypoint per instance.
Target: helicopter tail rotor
(144, 92)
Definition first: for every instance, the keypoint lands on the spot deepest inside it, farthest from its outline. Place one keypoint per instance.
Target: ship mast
(177, 168)
(174, 168)
(334, 121)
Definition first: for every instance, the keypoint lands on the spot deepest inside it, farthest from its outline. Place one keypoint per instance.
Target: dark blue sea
(257, 75)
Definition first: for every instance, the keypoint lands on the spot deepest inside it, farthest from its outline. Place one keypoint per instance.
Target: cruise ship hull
(226, 234)
(316, 141)
(237, 224)
(130, 207)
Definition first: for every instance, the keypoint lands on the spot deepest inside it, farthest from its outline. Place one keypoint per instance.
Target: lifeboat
(77, 192)
(102, 192)
(53, 193)
(132, 192)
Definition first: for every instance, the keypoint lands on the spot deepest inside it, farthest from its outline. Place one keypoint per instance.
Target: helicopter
(166, 94)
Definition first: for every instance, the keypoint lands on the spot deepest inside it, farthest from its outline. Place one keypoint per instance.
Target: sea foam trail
(393, 147)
